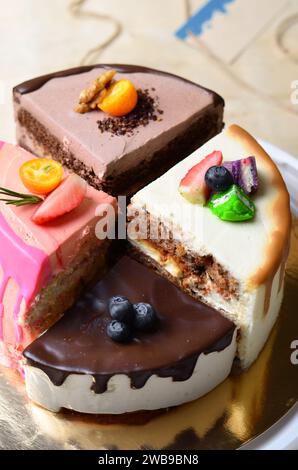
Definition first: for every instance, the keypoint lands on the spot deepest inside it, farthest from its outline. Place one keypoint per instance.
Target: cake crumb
(146, 110)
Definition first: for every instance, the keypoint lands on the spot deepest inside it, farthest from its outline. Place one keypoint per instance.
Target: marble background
(41, 36)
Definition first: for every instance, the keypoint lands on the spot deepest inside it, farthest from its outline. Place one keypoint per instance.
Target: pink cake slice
(43, 268)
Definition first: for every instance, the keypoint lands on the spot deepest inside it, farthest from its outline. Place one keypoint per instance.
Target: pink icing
(60, 238)
(30, 253)
(1, 144)
(3, 286)
(28, 266)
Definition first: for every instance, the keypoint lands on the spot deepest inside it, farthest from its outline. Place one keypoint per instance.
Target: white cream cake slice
(236, 267)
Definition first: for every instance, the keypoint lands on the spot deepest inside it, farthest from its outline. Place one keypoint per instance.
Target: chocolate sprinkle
(145, 111)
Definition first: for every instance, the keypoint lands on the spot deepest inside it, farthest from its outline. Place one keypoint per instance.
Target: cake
(230, 257)
(209, 226)
(76, 365)
(44, 265)
(118, 154)
(183, 426)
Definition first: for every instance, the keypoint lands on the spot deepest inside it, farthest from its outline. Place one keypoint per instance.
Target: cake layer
(76, 365)
(43, 268)
(237, 268)
(186, 116)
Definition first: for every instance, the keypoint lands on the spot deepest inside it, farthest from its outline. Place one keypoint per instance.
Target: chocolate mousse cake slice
(78, 364)
(149, 121)
(218, 225)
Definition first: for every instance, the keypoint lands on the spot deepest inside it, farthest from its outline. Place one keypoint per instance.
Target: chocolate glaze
(78, 343)
(37, 82)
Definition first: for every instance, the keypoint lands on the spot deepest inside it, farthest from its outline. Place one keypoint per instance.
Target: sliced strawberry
(63, 199)
(193, 186)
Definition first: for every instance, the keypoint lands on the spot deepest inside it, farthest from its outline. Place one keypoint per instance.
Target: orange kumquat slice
(120, 99)
(41, 175)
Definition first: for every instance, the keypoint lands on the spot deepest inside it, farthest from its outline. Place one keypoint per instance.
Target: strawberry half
(63, 199)
(193, 186)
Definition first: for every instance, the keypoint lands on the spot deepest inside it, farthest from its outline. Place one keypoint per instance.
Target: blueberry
(121, 309)
(218, 178)
(119, 331)
(145, 317)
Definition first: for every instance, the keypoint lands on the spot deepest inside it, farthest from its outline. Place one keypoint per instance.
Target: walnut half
(91, 97)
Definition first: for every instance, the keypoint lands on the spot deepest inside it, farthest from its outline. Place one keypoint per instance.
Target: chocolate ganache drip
(78, 343)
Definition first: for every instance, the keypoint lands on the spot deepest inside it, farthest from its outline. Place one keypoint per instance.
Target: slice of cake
(117, 126)
(111, 354)
(206, 227)
(45, 261)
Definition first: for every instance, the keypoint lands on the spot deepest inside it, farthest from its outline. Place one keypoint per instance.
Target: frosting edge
(34, 84)
(180, 371)
(277, 249)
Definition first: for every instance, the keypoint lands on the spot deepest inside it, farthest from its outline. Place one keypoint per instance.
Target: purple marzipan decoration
(234, 168)
(244, 173)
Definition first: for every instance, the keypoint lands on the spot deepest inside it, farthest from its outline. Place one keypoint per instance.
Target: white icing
(239, 247)
(226, 197)
(158, 392)
(223, 199)
(245, 200)
(247, 176)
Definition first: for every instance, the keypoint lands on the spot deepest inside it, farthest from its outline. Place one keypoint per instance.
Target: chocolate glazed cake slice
(173, 117)
(76, 365)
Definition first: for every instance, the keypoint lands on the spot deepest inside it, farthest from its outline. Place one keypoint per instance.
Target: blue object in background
(204, 14)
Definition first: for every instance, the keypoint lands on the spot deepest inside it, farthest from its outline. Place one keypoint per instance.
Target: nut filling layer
(197, 275)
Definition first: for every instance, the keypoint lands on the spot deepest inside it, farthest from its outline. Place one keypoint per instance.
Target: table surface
(65, 33)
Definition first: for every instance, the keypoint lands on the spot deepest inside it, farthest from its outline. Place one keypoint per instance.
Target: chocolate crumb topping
(146, 110)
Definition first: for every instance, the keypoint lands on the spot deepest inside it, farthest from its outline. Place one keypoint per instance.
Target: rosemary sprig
(18, 199)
